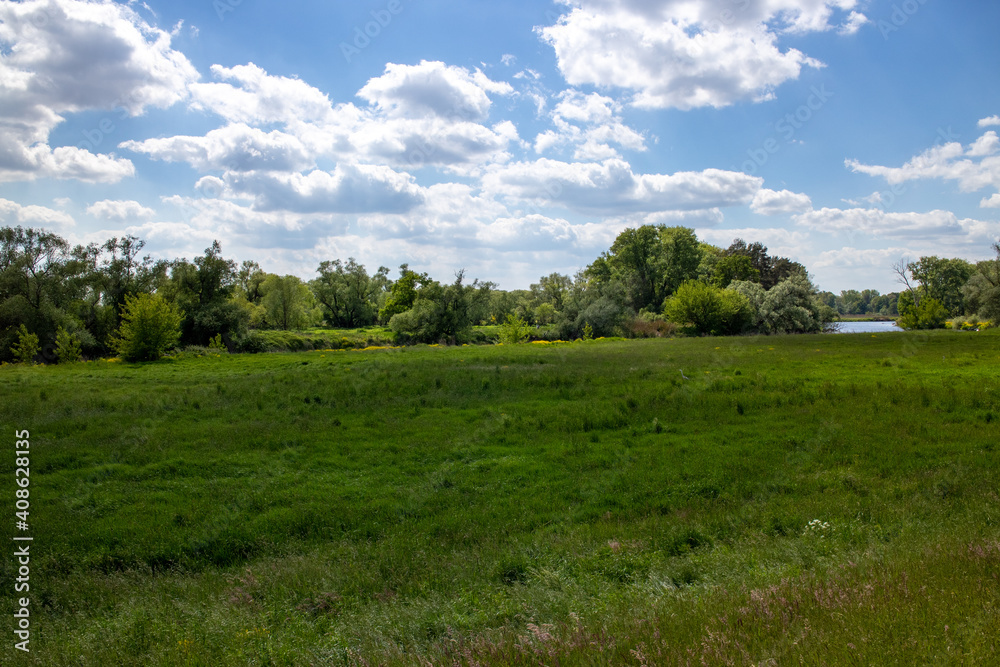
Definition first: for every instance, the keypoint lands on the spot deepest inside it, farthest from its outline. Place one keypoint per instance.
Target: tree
(287, 301)
(348, 295)
(791, 307)
(710, 310)
(203, 291)
(982, 292)
(26, 348)
(403, 293)
(443, 312)
(942, 280)
(734, 267)
(928, 314)
(150, 326)
(67, 346)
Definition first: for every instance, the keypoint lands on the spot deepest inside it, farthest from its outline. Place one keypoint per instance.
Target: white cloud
(601, 127)
(236, 147)
(785, 202)
(940, 226)
(683, 54)
(432, 89)
(973, 168)
(611, 188)
(68, 56)
(991, 202)
(12, 213)
(987, 122)
(347, 189)
(120, 211)
(259, 98)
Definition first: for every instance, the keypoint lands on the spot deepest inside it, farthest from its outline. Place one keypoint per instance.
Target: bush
(150, 326)
(513, 331)
(642, 327)
(67, 346)
(26, 348)
(929, 314)
(710, 310)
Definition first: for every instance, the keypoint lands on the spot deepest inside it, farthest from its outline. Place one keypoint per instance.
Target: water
(865, 327)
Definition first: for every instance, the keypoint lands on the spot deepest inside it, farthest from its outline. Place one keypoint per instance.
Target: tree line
(59, 301)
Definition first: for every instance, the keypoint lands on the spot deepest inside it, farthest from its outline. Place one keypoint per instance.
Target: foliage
(982, 292)
(288, 302)
(771, 270)
(202, 290)
(928, 314)
(216, 344)
(67, 346)
(514, 330)
(150, 326)
(710, 310)
(942, 280)
(790, 307)
(26, 348)
(734, 267)
(443, 313)
(348, 295)
(403, 293)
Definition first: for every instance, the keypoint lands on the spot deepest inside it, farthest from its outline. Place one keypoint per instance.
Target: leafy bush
(67, 346)
(26, 347)
(928, 314)
(710, 310)
(651, 328)
(150, 326)
(513, 331)
(216, 345)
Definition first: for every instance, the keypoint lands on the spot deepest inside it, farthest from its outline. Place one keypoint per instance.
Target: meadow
(816, 499)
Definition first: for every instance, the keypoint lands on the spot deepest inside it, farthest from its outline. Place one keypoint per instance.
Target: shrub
(216, 345)
(27, 346)
(929, 314)
(67, 346)
(514, 330)
(150, 326)
(710, 310)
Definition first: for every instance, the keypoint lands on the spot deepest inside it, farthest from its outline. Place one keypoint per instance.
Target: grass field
(814, 500)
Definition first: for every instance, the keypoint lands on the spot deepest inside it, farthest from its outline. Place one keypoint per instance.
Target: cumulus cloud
(938, 225)
(12, 213)
(347, 189)
(236, 147)
(432, 89)
(68, 56)
(120, 211)
(610, 187)
(591, 123)
(973, 167)
(785, 202)
(987, 122)
(682, 54)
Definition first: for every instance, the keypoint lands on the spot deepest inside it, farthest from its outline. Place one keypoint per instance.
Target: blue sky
(511, 139)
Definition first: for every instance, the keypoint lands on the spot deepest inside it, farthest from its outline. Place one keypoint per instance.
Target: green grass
(577, 503)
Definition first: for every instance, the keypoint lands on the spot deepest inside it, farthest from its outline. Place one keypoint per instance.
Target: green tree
(150, 326)
(791, 306)
(403, 293)
(709, 310)
(67, 346)
(928, 314)
(514, 330)
(287, 302)
(733, 267)
(943, 280)
(982, 292)
(26, 348)
(348, 295)
(443, 312)
(203, 291)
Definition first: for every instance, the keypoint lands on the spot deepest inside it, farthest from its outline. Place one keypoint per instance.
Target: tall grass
(825, 499)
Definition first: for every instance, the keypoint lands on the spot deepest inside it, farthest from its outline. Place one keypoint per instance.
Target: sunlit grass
(824, 498)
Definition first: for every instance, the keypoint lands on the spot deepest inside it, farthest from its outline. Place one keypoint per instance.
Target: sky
(509, 139)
